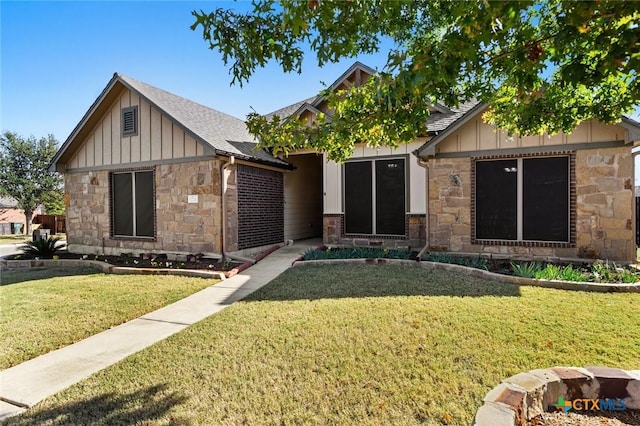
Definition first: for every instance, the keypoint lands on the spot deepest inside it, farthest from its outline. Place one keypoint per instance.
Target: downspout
(425, 164)
(226, 255)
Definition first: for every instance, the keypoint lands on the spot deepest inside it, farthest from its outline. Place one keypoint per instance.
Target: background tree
(24, 175)
(542, 66)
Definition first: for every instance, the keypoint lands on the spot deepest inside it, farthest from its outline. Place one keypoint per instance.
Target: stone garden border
(520, 398)
(511, 279)
(106, 268)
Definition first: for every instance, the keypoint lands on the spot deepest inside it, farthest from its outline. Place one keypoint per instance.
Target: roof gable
(218, 132)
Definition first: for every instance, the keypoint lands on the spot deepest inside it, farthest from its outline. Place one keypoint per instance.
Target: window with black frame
(375, 196)
(523, 199)
(132, 204)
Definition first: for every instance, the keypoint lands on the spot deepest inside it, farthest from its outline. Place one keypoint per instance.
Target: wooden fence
(56, 224)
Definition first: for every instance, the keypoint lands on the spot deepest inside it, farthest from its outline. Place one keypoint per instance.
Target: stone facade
(605, 204)
(450, 204)
(181, 226)
(415, 237)
(604, 215)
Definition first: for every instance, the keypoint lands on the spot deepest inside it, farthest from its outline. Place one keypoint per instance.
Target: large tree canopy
(24, 173)
(542, 66)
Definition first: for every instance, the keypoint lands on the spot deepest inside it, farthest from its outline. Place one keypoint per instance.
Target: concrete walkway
(28, 383)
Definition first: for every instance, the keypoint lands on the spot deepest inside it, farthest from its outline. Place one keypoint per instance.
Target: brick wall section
(333, 233)
(260, 207)
(180, 226)
(604, 208)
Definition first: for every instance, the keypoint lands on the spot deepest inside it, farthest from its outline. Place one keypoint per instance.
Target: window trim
(134, 111)
(519, 241)
(374, 200)
(133, 172)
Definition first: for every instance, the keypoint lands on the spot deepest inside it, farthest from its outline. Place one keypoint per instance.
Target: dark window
(390, 203)
(545, 196)
(524, 199)
(358, 197)
(375, 198)
(496, 200)
(130, 121)
(132, 204)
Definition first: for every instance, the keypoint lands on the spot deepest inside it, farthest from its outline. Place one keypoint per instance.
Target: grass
(13, 239)
(354, 344)
(44, 309)
(21, 238)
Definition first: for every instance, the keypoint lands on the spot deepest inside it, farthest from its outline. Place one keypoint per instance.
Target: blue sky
(58, 56)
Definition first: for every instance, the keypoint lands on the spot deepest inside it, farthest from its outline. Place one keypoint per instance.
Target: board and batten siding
(158, 138)
(332, 176)
(476, 135)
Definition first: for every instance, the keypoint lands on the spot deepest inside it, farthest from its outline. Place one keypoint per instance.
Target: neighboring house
(146, 170)
(10, 213)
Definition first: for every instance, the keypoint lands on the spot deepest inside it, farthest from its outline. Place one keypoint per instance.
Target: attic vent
(130, 121)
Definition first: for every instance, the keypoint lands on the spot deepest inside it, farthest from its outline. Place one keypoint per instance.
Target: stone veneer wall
(333, 233)
(605, 204)
(450, 205)
(180, 226)
(604, 212)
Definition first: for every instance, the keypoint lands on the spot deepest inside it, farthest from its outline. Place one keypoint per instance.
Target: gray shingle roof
(223, 132)
(289, 109)
(8, 202)
(439, 121)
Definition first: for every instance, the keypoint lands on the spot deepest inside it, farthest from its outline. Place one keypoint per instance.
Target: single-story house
(146, 170)
(10, 214)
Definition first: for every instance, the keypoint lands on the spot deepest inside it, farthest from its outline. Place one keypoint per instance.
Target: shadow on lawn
(136, 407)
(15, 276)
(356, 281)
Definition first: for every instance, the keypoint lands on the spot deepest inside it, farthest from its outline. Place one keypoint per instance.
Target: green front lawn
(45, 309)
(354, 344)
(13, 239)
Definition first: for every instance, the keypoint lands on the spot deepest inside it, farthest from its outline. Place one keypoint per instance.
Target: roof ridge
(126, 77)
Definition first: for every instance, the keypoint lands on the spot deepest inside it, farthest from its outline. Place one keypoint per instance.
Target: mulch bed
(158, 261)
(596, 418)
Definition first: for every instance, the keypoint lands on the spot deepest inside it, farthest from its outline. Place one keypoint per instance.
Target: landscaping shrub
(601, 272)
(356, 253)
(526, 270)
(473, 262)
(43, 248)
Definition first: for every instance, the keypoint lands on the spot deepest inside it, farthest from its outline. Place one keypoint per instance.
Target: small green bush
(473, 262)
(43, 248)
(526, 270)
(439, 257)
(356, 253)
(549, 272)
(603, 272)
(571, 273)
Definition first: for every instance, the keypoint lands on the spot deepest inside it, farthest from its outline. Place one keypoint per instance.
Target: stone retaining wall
(105, 267)
(524, 396)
